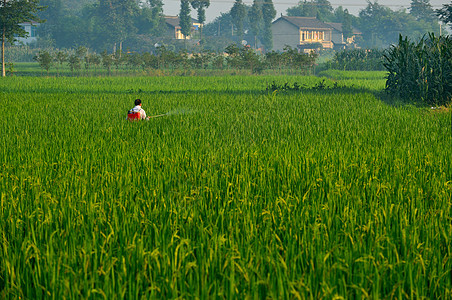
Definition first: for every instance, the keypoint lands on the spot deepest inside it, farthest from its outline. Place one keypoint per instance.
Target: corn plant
(421, 71)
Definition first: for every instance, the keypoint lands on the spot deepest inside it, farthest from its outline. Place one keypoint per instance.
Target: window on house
(33, 31)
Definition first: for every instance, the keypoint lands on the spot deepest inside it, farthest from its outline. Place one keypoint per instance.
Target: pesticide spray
(179, 111)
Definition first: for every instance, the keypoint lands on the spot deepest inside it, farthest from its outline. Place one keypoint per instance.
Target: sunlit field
(239, 192)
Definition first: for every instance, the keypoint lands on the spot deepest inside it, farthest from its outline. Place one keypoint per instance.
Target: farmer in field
(137, 113)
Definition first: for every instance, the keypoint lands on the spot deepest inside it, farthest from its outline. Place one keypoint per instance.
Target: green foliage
(290, 59)
(238, 14)
(12, 13)
(185, 18)
(99, 24)
(200, 6)
(20, 53)
(236, 194)
(445, 14)
(112, 21)
(10, 69)
(244, 57)
(107, 60)
(320, 9)
(60, 57)
(149, 18)
(255, 17)
(422, 71)
(92, 59)
(347, 28)
(358, 60)
(422, 10)
(268, 14)
(74, 62)
(381, 26)
(238, 57)
(45, 60)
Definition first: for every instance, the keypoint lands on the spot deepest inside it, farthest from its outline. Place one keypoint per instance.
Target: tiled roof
(174, 21)
(338, 27)
(305, 22)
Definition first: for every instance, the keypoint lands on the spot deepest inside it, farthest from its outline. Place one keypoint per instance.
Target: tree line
(139, 24)
(235, 57)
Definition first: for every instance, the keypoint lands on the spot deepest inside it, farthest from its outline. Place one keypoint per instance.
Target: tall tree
(114, 20)
(347, 29)
(255, 17)
(445, 14)
(379, 24)
(52, 13)
(12, 13)
(150, 17)
(268, 14)
(185, 19)
(200, 6)
(238, 14)
(76, 6)
(320, 9)
(422, 10)
(324, 10)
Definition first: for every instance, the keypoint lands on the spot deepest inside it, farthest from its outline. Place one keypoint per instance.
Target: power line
(316, 4)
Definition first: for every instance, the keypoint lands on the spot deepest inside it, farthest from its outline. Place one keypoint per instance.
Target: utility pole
(3, 44)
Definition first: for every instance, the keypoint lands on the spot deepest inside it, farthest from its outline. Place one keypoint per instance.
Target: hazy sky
(172, 7)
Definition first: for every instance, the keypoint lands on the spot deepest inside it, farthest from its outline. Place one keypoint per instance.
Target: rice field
(237, 193)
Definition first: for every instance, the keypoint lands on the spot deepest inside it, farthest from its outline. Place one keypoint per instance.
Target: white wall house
(301, 32)
(307, 33)
(30, 28)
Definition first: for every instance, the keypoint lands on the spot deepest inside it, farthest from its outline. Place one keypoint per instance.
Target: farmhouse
(173, 29)
(30, 28)
(307, 33)
(301, 33)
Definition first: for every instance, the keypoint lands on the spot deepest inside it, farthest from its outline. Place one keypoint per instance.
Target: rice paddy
(237, 193)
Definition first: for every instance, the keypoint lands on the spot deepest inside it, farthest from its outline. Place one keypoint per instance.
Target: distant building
(304, 33)
(308, 33)
(174, 29)
(338, 37)
(30, 28)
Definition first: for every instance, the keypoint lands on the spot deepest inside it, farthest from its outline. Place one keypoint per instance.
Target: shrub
(44, 58)
(358, 60)
(74, 63)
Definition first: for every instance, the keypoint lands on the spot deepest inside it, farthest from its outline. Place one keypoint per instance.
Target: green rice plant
(237, 193)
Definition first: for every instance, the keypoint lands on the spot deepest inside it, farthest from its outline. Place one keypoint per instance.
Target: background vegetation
(82, 61)
(139, 24)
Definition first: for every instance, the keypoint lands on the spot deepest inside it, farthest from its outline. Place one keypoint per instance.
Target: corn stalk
(422, 71)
